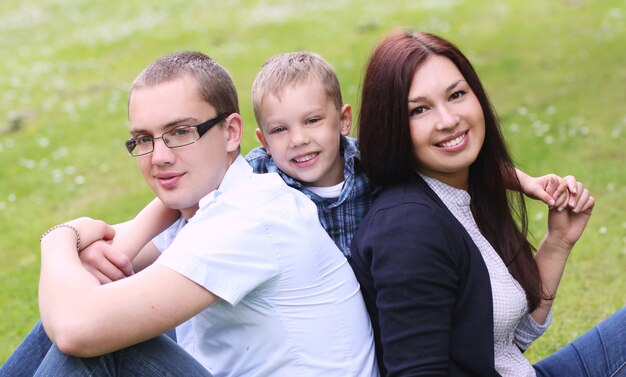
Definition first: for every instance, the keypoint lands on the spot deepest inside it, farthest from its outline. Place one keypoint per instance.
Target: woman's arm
(415, 284)
(564, 229)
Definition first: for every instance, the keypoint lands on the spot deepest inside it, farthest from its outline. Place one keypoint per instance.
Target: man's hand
(105, 262)
(96, 253)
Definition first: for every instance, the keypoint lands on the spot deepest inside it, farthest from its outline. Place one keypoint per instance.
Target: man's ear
(261, 138)
(345, 117)
(234, 131)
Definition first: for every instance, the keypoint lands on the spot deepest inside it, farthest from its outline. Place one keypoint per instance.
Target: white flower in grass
(104, 168)
(70, 170)
(11, 198)
(584, 131)
(616, 133)
(28, 164)
(43, 164)
(59, 153)
(3, 206)
(603, 230)
(522, 110)
(43, 142)
(514, 127)
(610, 187)
(57, 176)
(79, 180)
(549, 139)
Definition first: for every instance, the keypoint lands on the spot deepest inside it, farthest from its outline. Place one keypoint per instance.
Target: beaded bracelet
(63, 226)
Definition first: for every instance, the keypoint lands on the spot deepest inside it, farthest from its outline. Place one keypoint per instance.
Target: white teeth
(453, 142)
(305, 158)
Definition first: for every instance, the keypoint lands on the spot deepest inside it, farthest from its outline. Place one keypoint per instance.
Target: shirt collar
(237, 171)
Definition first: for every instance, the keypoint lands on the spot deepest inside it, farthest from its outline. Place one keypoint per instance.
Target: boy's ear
(261, 138)
(346, 119)
(234, 131)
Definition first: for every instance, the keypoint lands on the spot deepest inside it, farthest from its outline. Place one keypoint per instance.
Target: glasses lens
(181, 136)
(130, 146)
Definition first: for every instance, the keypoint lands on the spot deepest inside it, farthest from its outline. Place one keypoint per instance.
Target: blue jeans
(36, 355)
(158, 357)
(600, 352)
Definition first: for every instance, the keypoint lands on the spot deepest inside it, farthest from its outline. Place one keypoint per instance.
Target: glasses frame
(202, 128)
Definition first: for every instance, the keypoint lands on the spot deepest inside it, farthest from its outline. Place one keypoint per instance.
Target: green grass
(555, 71)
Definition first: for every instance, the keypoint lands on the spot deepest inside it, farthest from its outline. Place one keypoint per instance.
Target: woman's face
(446, 122)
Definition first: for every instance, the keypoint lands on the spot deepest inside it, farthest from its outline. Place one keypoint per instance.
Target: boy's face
(181, 176)
(302, 130)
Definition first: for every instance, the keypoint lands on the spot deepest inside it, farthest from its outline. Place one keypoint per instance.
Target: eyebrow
(449, 88)
(164, 127)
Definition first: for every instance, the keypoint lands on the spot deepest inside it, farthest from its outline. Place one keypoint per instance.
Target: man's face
(181, 176)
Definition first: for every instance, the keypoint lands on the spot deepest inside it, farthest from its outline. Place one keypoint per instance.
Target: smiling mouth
(454, 142)
(305, 158)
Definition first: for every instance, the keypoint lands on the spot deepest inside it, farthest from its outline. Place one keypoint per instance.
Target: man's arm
(131, 249)
(84, 318)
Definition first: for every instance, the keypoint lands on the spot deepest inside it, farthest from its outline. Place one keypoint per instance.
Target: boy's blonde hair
(292, 68)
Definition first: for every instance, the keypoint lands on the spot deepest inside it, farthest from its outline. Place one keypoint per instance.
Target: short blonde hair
(291, 68)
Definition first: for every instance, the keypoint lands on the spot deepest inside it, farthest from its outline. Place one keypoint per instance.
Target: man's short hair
(215, 84)
(291, 68)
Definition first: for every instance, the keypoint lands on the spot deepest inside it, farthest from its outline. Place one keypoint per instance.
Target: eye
(418, 110)
(143, 139)
(458, 94)
(179, 132)
(277, 130)
(312, 120)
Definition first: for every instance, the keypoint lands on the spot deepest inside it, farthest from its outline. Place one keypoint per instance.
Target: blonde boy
(304, 128)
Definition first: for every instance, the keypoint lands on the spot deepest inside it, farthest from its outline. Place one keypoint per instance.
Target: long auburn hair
(387, 151)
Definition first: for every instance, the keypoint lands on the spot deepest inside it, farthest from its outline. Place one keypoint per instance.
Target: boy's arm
(148, 223)
(84, 318)
(131, 249)
(548, 188)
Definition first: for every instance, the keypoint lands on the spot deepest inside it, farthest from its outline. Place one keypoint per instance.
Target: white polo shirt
(289, 302)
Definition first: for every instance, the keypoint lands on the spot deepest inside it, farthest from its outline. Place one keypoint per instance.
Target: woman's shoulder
(414, 192)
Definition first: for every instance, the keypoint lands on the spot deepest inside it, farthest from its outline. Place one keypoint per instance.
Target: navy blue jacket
(425, 285)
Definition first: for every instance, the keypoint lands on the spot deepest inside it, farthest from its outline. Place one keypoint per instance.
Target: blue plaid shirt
(339, 216)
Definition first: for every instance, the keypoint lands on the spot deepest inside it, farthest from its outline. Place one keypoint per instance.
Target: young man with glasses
(253, 282)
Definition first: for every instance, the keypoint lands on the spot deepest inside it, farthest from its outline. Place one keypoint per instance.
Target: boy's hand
(548, 188)
(105, 262)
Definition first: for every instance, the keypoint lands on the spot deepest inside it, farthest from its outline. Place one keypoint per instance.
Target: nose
(447, 118)
(298, 136)
(162, 154)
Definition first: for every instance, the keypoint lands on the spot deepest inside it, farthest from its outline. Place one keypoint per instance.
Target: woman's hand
(565, 226)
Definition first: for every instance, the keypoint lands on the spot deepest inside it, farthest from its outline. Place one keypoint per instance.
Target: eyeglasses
(178, 137)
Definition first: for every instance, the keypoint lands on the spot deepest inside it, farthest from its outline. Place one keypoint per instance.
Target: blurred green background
(556, 72)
